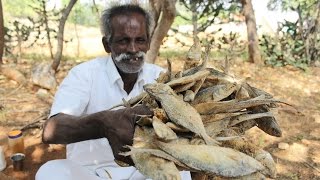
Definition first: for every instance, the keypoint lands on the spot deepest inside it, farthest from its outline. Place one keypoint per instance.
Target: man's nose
(132, 47)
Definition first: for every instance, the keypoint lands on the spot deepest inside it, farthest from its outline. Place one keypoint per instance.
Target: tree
(1, 33)
(65, 14)
(204, 13)
(253, 40)
(43, 74)
(307, 26)
(164, 13)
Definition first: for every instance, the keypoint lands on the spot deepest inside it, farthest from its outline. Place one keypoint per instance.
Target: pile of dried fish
(200, 115)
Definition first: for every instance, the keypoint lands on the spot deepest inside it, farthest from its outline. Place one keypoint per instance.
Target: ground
(20, 106)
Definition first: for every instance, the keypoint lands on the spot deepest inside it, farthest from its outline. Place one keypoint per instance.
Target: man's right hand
(118, 127)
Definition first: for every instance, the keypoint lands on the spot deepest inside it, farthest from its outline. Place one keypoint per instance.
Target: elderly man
(79, 115)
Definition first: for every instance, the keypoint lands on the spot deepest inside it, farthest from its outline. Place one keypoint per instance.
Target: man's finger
(142, 110)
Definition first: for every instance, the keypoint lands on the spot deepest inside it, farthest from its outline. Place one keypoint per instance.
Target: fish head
(157, 89)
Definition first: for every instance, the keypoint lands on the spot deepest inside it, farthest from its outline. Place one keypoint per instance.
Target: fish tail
(210, 141)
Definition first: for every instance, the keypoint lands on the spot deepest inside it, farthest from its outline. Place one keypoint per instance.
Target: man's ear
(106, 44)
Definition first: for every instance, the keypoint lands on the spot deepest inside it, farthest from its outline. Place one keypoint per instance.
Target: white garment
(64, 169)
(91, 87)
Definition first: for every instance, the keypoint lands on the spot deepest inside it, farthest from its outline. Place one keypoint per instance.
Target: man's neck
(129, 79)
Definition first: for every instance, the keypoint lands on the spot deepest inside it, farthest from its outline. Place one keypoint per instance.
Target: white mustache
(127, 56)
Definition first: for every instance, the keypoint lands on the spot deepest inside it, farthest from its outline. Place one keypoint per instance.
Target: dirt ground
(300, 159)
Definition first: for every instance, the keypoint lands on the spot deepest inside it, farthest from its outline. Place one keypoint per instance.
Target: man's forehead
(118, 18)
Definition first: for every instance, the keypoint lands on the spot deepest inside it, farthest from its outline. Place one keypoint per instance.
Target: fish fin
(210, 141)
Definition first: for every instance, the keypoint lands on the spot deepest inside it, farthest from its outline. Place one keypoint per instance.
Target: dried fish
(178, 111)
(152, 166)
(162, 130)
(184, 87)
(164, 77)
(213, 159)
(188, 79)
(188, 96)
(132, 101)
(242, 94)
(244, 117)
(215, 93)
(194, 110)
(219, 116)
(189, 71)
(215, 127)
(267, 124)
(155, 152)
(176, 128)
(197, 85)
(250, 149)
(267, 161)
(160, 114)
(232, 105)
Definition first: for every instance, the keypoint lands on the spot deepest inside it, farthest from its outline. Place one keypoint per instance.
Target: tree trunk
(1, 33)
(253, 40)
(97, 10)
(194, 20)
(45, 15)
(166, 14)
(314, 51)
(65, 14)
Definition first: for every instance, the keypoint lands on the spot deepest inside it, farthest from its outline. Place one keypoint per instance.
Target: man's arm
(117, 126)
(65, 129)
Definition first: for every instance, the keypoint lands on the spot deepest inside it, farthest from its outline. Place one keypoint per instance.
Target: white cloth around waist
(64, 169)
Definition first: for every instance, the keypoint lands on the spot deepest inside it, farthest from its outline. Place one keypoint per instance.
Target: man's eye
(141, 40)
(122, 41)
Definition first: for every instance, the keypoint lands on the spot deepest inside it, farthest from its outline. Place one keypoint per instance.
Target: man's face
(129, 42)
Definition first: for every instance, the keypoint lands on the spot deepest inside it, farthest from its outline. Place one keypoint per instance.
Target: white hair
(119, 9)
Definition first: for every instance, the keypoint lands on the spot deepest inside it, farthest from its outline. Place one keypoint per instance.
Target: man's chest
(105, 94)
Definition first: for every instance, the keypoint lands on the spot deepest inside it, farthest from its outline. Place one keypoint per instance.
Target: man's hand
(118, 127)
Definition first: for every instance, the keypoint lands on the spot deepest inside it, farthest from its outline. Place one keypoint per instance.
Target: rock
(44, 95)
(283, 146)
(43, 75)
(316, 118)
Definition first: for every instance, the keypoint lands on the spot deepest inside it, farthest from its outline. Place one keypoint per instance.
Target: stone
(43, 75)
(283, 146)
(316, 118)
(42, 93)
